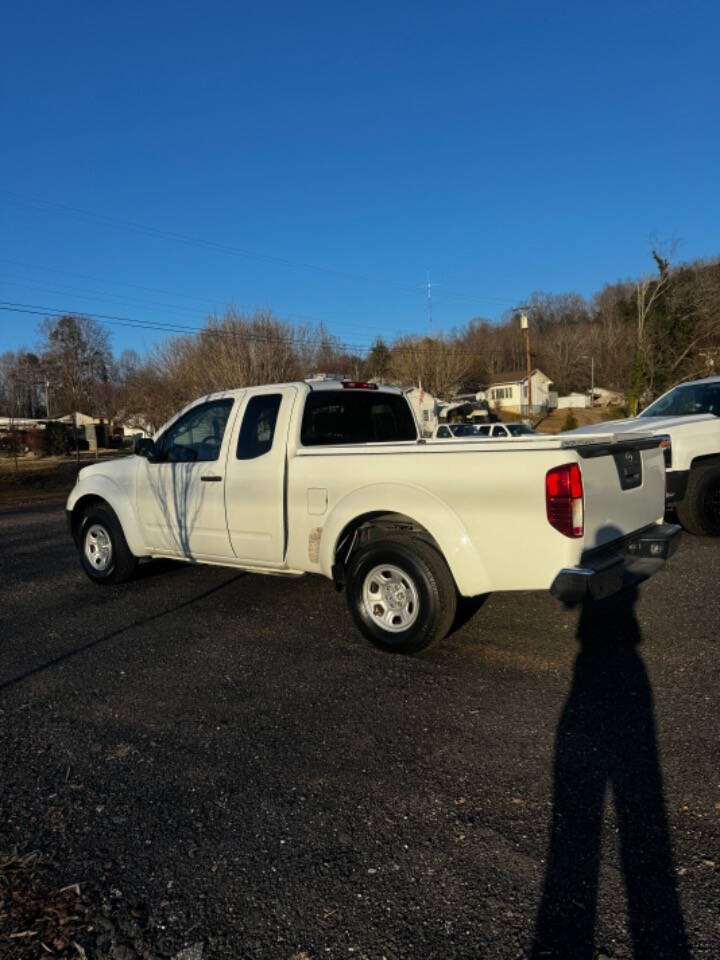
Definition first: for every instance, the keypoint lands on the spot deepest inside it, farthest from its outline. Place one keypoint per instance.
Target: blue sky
(320, 158)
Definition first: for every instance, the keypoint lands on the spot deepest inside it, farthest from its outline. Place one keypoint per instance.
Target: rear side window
(354, 416)
(258, 427)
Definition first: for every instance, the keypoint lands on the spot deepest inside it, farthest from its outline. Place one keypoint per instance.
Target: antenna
(428, 290)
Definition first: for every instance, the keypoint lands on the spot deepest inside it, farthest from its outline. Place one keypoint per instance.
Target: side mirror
(145, 447)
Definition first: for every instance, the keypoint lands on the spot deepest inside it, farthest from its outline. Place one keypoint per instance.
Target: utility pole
(591, 358)
(525, 326)
(47, 398)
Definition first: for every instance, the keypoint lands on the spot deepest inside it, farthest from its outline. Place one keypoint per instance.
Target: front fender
(426, 509)
(99, 485)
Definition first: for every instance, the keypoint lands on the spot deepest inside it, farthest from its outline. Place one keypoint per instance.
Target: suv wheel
(699, 509)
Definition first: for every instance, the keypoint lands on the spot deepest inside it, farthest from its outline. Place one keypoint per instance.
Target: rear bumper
(603, 571)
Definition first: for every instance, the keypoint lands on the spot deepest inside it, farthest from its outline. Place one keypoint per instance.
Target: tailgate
(624, 487)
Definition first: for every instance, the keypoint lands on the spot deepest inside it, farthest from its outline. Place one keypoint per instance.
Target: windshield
(686, 400)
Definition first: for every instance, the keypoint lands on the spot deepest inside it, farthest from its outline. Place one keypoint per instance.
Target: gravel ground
(227, 768)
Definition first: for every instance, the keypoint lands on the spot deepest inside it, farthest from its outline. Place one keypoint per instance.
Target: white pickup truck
(688, 416)
(332, 477)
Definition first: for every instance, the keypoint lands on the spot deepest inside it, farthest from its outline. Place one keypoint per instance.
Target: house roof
(510, 376)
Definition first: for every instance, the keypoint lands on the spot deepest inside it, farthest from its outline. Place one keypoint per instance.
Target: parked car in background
(688, 416)
(511, 430)
(450, 431)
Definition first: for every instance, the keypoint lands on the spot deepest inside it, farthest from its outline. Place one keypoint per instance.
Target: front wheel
(401, 594)
(104, 553)
(699, 509)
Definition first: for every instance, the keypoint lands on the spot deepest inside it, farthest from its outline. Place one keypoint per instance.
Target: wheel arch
(105, 491)
(706, 460)
(79, 509)
(378, 509)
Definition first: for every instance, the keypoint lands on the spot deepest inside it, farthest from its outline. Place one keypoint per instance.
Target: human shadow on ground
(606, 739)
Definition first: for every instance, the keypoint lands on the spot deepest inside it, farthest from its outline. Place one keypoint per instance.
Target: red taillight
(359, 385)
(564, 499)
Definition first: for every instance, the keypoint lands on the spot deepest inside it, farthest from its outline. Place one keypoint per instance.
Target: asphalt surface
(226, 764)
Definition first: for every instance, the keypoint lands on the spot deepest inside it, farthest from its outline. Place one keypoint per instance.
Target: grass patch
(34, 479)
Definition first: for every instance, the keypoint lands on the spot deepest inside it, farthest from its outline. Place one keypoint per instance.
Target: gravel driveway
(226, 767)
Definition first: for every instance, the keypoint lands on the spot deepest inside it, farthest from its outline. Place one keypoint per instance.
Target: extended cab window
(197, 435)
(258, 426)
(356, 416)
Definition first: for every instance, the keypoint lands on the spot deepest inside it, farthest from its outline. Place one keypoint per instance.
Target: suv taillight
(564, 499)
(666, 447)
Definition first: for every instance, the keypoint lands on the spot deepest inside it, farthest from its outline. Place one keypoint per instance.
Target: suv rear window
(355, 416)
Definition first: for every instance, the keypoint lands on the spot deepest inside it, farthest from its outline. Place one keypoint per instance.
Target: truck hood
(116, 467)
(644, 424)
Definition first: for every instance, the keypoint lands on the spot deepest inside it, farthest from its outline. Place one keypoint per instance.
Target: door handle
(210, 479)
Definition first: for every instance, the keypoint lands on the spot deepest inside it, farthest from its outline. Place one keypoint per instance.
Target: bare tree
(440, 364)
(75, 355)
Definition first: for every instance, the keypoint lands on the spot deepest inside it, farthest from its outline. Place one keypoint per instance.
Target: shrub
(57, 438)
(570, 421)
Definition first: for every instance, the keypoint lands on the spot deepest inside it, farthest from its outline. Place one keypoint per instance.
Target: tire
(415, 591)
(104, 553)
(699, 509)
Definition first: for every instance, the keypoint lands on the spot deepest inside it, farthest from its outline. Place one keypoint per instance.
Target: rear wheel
(104, 553)
(401, 594)
(699, 509)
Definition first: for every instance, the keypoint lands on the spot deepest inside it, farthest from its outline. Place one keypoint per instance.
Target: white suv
(689, 415)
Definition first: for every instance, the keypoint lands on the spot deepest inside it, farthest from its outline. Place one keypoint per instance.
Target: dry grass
(553, 423)
(37, 479)
(37, 917)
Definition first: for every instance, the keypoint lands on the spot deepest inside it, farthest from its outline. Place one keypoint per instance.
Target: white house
(426, 408)
(602, 397)
(575, 400)
(76, 419)
(508, 390)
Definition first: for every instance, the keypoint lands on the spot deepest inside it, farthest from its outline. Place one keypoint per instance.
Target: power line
(102, 295)
(188, 239)
(33, 309)
(331, 342)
